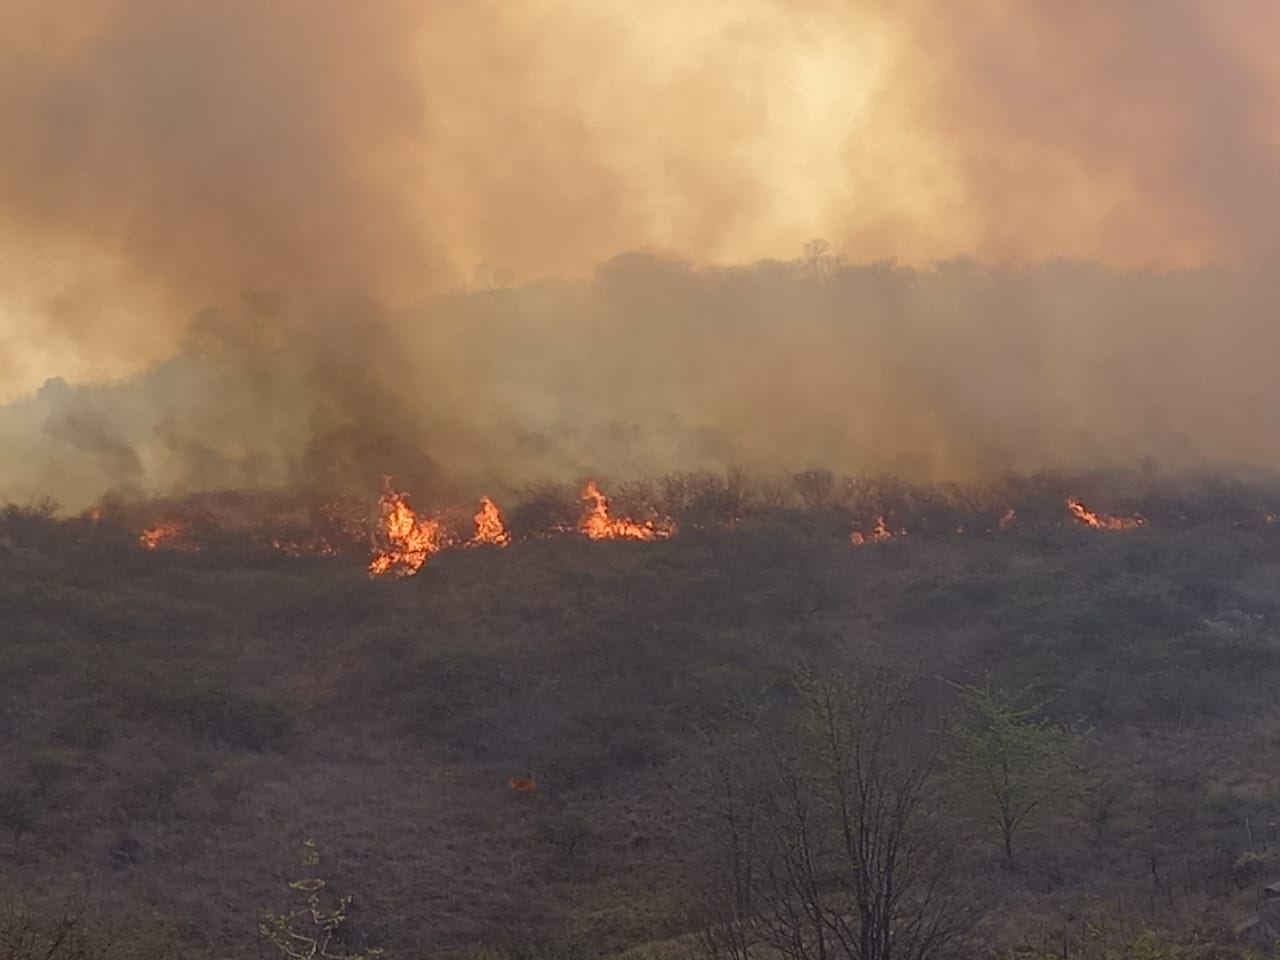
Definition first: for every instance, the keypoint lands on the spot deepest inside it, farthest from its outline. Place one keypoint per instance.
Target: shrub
(20, 811)
(219, 715)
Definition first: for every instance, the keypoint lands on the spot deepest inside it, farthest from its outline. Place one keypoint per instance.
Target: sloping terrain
(174, 725)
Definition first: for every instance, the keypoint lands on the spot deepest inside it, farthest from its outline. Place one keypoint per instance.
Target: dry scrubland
(174, 726)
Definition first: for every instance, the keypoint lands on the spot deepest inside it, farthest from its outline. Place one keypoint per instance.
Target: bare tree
(26, 937)
(313, 930)
(728, 907)
(817, 488)
(845, 857)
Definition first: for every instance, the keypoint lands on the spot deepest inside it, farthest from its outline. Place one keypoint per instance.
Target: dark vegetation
(754, 739)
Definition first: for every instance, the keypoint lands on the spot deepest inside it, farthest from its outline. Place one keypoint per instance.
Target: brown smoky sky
(300, 238)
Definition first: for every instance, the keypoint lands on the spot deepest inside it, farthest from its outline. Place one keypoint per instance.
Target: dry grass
(202, 716)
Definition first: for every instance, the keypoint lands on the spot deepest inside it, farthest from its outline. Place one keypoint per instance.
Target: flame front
(597, 524)
(489, 526)
(162, 534)
(403, 540)
(1101, 521)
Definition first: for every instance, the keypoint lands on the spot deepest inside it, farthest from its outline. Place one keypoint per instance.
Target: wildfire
(403, 540)
(1101, 521)
(162, 534)
(489, 526)
(598, 525)
(879, 534)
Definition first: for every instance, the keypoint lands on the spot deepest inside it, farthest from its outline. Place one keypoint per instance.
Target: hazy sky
(159, 157)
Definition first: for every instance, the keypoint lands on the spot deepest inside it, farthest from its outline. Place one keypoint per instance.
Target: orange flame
(1007, 518)
(879, 534)
(162, 534)
(403, 541)
(598, 525)
(489, 526)
(1101, 521)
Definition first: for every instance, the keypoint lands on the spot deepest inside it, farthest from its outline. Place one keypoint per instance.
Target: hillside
(176, 724)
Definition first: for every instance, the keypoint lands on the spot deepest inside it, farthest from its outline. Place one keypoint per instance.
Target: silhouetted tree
(841, 854)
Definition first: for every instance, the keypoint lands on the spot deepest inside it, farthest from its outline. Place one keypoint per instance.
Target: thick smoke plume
(258, 216)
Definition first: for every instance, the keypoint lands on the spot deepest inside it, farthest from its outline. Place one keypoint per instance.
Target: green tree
(1012, 762)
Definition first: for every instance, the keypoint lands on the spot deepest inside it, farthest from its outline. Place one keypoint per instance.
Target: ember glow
(318, 547)
(522, 784)
(1007, 518)
(597, 524)
(879, 534)
(1101, 521)
(489, 526)
(403, 540)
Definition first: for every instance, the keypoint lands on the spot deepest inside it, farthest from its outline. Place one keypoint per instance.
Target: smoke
(314, 181)
(653, 365)
(1138, 133)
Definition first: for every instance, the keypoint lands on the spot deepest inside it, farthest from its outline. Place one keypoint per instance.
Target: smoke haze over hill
(651, 365)
(313, 182)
